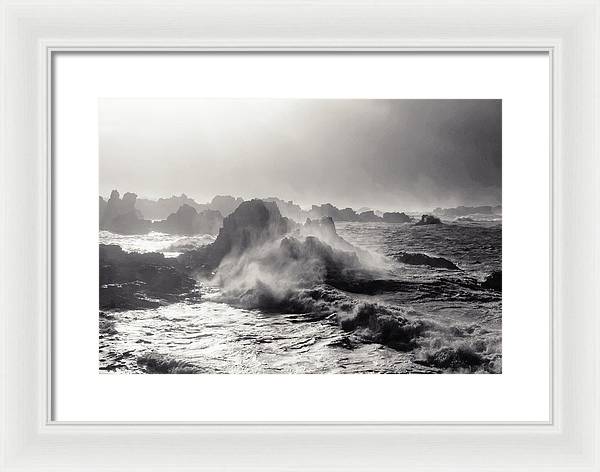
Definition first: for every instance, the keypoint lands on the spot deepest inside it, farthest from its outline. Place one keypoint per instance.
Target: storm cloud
(383, 154)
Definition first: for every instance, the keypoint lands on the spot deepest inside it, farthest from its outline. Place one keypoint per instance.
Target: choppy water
(170, 245)
(213, 337)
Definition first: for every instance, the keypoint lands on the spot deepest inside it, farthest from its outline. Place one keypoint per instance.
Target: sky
(389, 155)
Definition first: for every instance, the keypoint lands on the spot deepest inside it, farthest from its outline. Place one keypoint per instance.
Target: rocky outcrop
(453, 358)
(493, 281)
(120, 215)
(327, 210)
(163, 207)
(369, 217)
(225, 204)
(396, 217)
(252, 223)
(428, 220)
(332, 263)
(288, 209)
(417, 258)
(133, 280)
(187, 221)
(324, 229)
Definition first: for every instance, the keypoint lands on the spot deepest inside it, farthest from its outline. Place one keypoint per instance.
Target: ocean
(460, 323)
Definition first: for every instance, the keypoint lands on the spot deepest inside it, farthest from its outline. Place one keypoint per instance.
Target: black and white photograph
(300, 236)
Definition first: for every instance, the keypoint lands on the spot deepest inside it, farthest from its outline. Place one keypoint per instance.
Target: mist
(390, 155)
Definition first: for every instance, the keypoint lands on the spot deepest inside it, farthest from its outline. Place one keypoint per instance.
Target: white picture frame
(32, 31)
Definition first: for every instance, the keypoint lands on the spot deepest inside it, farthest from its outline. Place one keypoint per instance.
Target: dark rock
(252, 223)
(369, 217)
(120, 215)
(327, 210)
(163, 207)
(428, 220)
(493, 281)
(395, 217)
(417, 258)
(225, 204)
(324, 229)
(288, 209)
(462, 357)
(187, 221)
(133, 280)
(332, 261)
(320, 226)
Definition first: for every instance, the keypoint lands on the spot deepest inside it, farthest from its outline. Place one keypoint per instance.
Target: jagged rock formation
(187, 221)
(417, 258)
(225, 204)
(369, 217)
(289, 209)
(252, 223)
(493, 281)
(332, 263)
(468, 210)
(120, 215)
(163, 207)
(327, 210)
(324, 229)
(428, 220)
(132, 280)
(395, 217)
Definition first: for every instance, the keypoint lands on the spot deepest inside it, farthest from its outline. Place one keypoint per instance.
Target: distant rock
(120, 215)
(417, 258)
(369, 217)
(134, 280)
(187, 221)
(163, 207)
(101, 207)
(468, 210)
(288, 209)
(395, 217)
(493, 281)
(225, 204)
(428, 220)
(364, 215)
